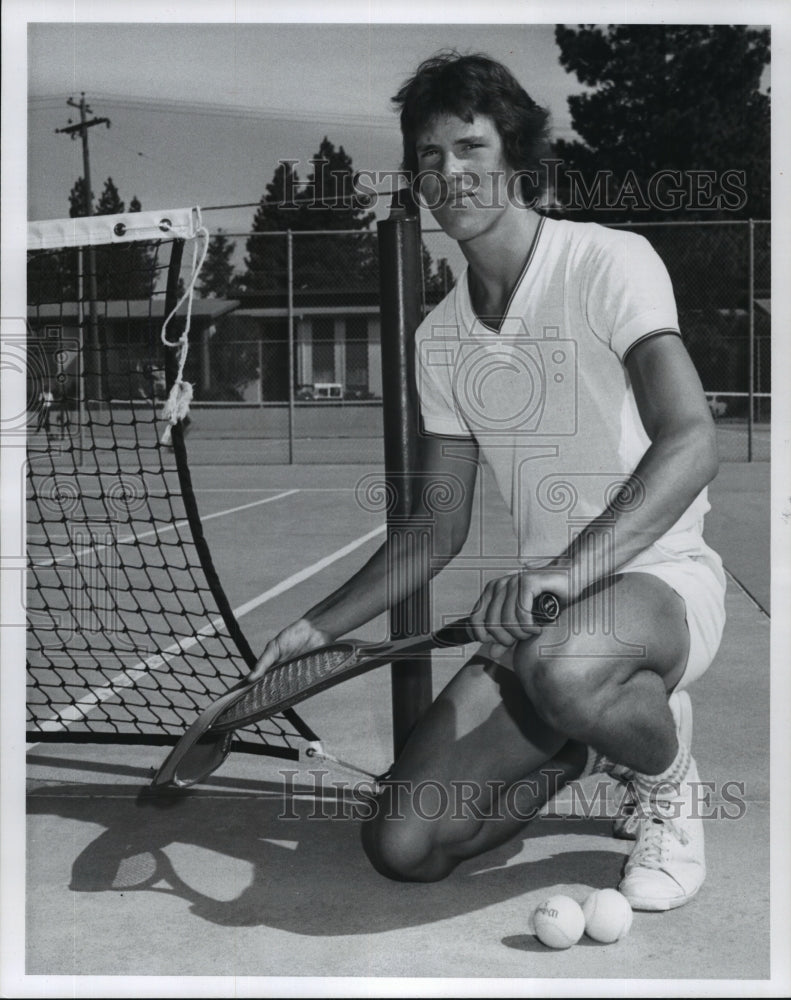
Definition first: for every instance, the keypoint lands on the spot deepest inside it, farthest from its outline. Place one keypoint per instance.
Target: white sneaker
(627, 823)
(667, 866)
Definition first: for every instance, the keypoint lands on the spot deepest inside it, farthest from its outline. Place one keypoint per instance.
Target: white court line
(746, 592)
(158, 531)
(77, 711)
(259, 489)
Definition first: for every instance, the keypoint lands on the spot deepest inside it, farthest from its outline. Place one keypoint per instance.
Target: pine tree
(324, 202)
(80, 199)
(345, 262)
(445, 278)
(217, 276)
(685, 98)
(110, 202)
(266, 261)
(125, 270)
(54, 276)
(328, 196)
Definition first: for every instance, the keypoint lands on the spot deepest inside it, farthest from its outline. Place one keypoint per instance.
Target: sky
(201, 113)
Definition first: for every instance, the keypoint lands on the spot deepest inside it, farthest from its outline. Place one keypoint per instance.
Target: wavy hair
(465, 85)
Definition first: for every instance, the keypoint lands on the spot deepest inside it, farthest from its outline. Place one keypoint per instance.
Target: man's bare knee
(402, 851)
(567, 691)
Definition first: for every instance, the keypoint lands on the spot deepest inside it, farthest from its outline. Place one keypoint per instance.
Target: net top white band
(95, 230)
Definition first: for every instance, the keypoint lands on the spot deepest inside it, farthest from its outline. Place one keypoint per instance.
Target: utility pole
(81, 129)
(94, 381)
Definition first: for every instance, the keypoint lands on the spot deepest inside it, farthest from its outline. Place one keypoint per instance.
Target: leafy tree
(681, 98)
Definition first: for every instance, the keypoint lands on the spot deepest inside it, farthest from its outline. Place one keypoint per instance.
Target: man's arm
(388, 577)
(680, 461)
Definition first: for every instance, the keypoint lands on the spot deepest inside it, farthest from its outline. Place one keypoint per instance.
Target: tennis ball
(608, 915)
(559, 922)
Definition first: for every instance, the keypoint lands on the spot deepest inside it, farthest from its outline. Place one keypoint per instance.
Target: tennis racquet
(208, 741)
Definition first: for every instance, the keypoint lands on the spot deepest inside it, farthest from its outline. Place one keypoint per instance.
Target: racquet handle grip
(546, 608)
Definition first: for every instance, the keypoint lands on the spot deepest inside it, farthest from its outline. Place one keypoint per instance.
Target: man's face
(463, 174)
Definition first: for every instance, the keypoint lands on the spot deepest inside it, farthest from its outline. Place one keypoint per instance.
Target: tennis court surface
(258, 872)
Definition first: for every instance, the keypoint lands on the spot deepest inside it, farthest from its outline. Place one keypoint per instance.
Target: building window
(357, 352)
(323, 349)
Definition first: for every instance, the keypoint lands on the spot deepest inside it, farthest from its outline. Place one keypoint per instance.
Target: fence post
(290, 256)
(751, 342)
(260, 393)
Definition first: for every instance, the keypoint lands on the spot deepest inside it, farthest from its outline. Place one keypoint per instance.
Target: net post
(751, 342)
(401, 304)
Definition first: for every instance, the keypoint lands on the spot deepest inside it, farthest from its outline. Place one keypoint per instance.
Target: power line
(265, 113)
(249, 113)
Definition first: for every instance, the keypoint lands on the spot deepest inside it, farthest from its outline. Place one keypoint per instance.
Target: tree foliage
(80, 199)
(684, 98)
(123, 271)
(436, 282)
(325, 201)
(217, 279)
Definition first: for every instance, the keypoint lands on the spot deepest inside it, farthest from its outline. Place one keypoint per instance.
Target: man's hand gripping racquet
(206, 744)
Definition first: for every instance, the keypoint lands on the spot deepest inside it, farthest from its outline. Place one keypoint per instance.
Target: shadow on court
(298, 866)
(222, 884)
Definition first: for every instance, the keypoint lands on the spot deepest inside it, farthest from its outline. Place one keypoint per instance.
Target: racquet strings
(203, 757)
(285, 681)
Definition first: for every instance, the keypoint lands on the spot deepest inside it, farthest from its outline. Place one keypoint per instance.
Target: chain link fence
(286, 342)
(721, 274)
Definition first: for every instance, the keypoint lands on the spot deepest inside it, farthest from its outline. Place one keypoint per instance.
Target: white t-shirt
(548, 397)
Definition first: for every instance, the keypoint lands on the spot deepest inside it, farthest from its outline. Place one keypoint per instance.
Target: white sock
(647, 785)
(598, 763)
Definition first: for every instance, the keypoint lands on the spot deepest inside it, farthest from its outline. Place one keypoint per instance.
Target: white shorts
(698, 578)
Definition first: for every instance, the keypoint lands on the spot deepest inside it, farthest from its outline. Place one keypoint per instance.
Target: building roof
(206, 309)
(339, 309)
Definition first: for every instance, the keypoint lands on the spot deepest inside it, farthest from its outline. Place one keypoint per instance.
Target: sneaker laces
(649, 852)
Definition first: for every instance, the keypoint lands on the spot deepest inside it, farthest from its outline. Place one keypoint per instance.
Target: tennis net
(130, 633)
